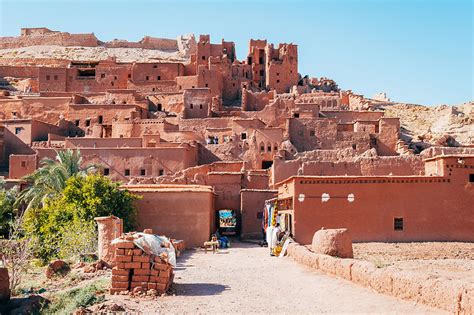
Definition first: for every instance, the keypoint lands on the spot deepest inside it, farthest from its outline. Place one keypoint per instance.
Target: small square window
(191, 105)
(155, 66)
(296, 115)
(77, 122)
(398, 224)
(278, 81)
(354, 146)
(127, 172)
(471, 178)
(48, 77)
(18, 130)
(269, 148)
(158, 78)
(161, 172)
(203, 57)
(311, 133)
(200, 106)
(207, 85)
(106, 171)
(23, 164)
(129, 75)
(56, 77)
(102, 75)
(100, 119)
(88, 122)
(243, 136)
(147, 78)
(142, 172)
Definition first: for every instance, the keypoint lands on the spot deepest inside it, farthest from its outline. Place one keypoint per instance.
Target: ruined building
(189, 119)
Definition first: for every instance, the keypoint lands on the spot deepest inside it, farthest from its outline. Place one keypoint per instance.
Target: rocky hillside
(442, 125)
(93, 54)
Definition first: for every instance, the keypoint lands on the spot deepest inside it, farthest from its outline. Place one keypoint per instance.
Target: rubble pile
(138, 270)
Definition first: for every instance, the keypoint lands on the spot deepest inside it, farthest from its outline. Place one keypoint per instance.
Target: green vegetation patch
(85, 296)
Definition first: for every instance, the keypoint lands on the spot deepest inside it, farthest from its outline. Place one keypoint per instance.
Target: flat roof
(260, 190)
(342, 177)
(437, 157)
(168, 188)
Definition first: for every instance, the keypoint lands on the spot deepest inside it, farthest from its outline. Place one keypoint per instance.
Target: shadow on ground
(199, 289)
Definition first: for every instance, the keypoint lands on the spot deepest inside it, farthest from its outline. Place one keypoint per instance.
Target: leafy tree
(95, 196)
(83, 199)
(50, 179)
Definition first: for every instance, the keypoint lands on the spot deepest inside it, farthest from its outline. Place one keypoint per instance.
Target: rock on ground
(333, 242)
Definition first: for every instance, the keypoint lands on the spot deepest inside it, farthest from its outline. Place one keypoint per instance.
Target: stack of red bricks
(138, 272)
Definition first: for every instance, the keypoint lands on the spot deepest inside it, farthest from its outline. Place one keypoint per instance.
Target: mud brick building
(189, 120)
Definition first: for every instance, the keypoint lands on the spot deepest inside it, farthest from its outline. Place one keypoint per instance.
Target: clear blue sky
(416, 51)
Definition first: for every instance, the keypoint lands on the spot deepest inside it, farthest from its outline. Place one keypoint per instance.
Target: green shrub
(77, 239)
(96, 196)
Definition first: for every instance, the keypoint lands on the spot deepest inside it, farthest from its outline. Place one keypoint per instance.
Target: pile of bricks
(179, 246)
(137, 272)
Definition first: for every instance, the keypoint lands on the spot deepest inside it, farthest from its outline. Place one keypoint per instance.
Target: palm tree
(50, 179)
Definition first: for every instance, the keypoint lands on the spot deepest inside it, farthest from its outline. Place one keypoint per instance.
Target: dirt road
(245, 279)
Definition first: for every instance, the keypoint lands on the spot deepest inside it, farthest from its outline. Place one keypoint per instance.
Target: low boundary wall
(451, 295)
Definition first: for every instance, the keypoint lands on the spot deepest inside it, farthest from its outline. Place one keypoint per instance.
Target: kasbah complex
(210, 141)
(211, 132)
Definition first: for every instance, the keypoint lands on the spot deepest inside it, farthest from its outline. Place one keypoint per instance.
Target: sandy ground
(391, 252)
(245, 279)
(452, 260)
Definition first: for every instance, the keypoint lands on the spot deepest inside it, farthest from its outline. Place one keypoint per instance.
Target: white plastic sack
(152, 244)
